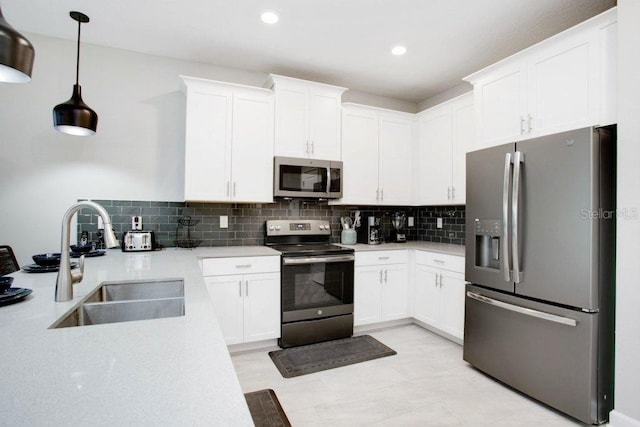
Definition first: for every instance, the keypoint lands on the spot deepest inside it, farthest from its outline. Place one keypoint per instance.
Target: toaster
(138, 240)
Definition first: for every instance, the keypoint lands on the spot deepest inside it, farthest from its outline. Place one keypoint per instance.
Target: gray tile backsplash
(246, 221)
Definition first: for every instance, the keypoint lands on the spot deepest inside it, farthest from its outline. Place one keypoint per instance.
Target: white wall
(136, 154)
(627, 379)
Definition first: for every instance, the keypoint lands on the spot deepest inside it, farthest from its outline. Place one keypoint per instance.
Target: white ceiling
(342, 42)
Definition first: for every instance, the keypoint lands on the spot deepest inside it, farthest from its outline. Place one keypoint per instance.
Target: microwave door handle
(328, 179)
(506, 268)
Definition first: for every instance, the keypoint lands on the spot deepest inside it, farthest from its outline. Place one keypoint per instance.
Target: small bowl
(82, 249)
(5, 283)
(47, 260)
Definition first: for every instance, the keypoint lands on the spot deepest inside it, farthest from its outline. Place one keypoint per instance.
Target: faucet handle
(76, 276)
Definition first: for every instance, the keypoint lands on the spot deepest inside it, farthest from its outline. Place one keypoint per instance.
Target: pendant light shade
(16, 54)
(74, 117)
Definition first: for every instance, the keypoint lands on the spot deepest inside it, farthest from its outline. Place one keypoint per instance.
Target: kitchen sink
(114, 302)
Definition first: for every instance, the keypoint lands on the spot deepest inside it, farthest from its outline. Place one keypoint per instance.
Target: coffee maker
(371, 232)
(397, 221)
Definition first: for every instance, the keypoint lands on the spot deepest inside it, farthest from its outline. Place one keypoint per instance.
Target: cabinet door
(324, 125)
(395, 292)
(452, 303)
(395, 160)
(207, 145)
(434, 147)
(564, 88)
(462, 141)
(292, 128)
(502, 107)
(252, 148)
(360, 157)
(261, 306)
(426, 300)
(226, 296)
(367, 295)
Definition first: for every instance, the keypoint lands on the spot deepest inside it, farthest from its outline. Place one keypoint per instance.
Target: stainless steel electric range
(316, 282)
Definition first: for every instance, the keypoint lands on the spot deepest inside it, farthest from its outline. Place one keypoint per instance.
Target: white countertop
(444, 248)
(172, 371)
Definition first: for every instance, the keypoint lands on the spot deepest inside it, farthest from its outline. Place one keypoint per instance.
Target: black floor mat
(307, 359)
(265, 409)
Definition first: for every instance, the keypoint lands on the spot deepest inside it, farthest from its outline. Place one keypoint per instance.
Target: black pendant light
(74, 116)
(16, 54)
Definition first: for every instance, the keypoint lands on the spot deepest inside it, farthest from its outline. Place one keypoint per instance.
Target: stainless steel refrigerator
(540, 256)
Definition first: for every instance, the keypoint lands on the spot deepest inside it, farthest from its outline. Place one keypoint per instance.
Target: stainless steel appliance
(138, 240)
(316, 282)
(540, 256)
(307, 178)
(371, 232)
(397, 221)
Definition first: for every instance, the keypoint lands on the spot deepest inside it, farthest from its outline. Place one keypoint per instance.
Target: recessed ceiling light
(399, 50)
(269, 17)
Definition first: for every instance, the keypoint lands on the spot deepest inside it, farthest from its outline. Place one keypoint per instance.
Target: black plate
(88, 254)
(13, 295)
(35, 268)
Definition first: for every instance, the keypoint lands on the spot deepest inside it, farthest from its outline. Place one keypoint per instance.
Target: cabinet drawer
(441, 261)
(240, 265)
(382, 257)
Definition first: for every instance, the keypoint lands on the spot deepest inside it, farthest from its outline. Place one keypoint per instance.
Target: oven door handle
(317, 259)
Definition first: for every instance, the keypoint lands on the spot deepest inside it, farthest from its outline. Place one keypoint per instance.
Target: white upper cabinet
(307, 118)
(229, 142)
(565, 82)
(377, 156)
(445, 135)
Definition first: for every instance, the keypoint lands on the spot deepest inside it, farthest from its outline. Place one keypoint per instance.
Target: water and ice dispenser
(488, 241)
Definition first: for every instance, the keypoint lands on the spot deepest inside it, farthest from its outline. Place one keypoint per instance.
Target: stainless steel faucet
(66, 277)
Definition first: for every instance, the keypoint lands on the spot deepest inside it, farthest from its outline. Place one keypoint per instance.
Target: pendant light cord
(78, 55)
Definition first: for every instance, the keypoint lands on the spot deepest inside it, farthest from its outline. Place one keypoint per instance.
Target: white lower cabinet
(438, 297)
(381, 287)
(247, 305)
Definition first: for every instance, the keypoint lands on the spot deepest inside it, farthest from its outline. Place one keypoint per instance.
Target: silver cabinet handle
(246, 288)
(228, 188)
(438, 261)
(506, 268)
(453, 193)
(380, 276)
(530, 123)
(234, 189)
(383, 257)
(306, 150)
(448, 193)
(382, 195)
(521, 125)
(436, 280)
(378, 194)
(523, 310)
(243, 266)
(441, 276)
(385, 276)
(312, 148)
(240, 288)
(518, 160)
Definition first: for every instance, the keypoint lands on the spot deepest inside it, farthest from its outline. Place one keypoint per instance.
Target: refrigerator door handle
(518, 160)
(506, 268)
(523, 310)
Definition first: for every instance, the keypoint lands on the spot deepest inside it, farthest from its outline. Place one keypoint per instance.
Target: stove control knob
(277, 228)
(319, 312)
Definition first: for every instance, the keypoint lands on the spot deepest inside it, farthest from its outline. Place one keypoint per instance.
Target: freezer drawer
(547, 352)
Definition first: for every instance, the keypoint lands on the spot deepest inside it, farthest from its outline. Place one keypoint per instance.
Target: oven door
(315, 287)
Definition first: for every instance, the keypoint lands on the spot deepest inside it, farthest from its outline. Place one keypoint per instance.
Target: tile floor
(426, 384)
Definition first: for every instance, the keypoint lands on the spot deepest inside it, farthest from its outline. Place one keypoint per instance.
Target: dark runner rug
(307, 359)
(265, 409)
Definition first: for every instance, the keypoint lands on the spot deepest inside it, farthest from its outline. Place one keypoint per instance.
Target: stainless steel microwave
(307, 178)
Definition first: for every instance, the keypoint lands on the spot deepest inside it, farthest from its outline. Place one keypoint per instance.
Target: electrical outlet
(224, 221)
(451, 234)
(439, 223)
(410, 221)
